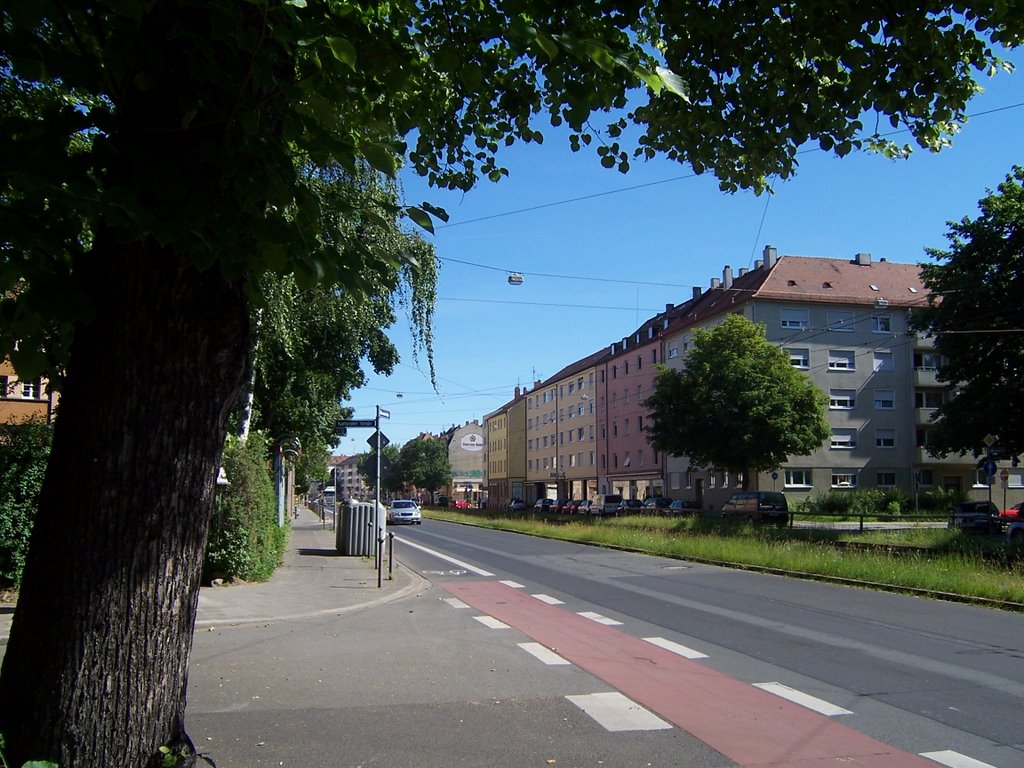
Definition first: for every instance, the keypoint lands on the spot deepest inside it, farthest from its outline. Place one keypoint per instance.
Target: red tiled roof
(841, 281)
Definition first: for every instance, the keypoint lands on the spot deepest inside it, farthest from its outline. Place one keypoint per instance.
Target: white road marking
(681, 650)
(548, 599)
(510, 583)
(446, 558)
(492, 623)
(955, 759)
(546, 655)
(599, 618)
(803, 699)
(454, 602)
(615, 712)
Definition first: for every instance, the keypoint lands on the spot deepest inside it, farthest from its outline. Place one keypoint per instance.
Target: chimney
(771, 255)
(696, 291)
(727, 277)
(715, 283)
(669, 307)
(743, 271)
(517, 393)
(758, 264)
(862, 259)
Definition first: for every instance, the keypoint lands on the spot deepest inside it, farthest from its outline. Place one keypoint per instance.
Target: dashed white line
(599, 618)
(546, 655)
(676, 648)
(510, 583)
(955, 759)
(492, 623)
(548, 599)
(454, 602)
(615, 712)
(820, 706)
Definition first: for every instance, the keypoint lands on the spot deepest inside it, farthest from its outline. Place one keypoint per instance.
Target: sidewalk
(314, 580)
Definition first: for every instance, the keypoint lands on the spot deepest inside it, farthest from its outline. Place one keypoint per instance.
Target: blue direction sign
(989, 467)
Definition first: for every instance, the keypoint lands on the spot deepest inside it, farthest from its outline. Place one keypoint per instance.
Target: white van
(606, 504)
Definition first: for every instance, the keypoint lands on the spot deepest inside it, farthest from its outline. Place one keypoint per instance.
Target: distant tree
(391, 479)
(424, 463)
(738, 404)
(24, 450)
(976, 314)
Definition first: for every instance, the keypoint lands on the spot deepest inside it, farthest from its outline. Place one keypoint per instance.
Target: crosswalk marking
(803, 699)
(454, 602)
(614, 712)
(548, 599)
(491, 623)
(510, 583)
(955, 759)
(546, 655)
(676, 648)
(599, 618)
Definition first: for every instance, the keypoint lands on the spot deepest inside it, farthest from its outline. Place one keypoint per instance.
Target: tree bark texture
(95, 671)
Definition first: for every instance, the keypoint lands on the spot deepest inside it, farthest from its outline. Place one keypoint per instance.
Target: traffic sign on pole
(341, 424)
(372, 440)
(383, 414)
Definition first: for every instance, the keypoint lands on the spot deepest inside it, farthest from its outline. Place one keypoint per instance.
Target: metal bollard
(380, 560)
(391, 554)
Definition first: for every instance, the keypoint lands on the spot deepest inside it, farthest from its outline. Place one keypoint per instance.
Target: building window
(883, 361)
(625, 396)
(841, 360)
(881, 324)
(928, 398)
(579, 433)
(843, 439)
(591, 458)
(626, 425)
(615, 460)
(925, 477)
(885, 438)
(840, 320)
(689, 480)
(800, 358)
(625, 367)
(842, 399)
(673, 351)
(927, 361)
(625, 461)
(980, 479)
(794, 318)
(885, 479)
(798, 478)
(844, 479)
(885, 399)
(30, 390)
(529, 464)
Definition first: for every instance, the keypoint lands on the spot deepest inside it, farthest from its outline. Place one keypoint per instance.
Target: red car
(1016, 512)
(461, 504)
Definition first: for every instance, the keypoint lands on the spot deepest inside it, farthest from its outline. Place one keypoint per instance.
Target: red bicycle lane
(749, 726)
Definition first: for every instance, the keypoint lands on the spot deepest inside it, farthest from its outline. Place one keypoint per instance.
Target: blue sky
(601, 251)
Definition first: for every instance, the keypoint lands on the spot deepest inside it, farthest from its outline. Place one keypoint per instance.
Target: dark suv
(976, 517)
(758, 507)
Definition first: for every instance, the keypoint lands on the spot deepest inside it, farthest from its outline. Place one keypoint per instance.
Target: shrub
(24, 452)
(245, 541)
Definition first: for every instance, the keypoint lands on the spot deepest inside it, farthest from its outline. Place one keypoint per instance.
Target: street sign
(341, 424)
(989, 467)
(372, 440)
(383, 414)
(1004, 475)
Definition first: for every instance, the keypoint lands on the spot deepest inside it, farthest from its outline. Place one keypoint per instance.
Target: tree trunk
(96, 666)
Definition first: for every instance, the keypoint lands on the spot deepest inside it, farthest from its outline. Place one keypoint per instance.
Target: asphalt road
(530, 652)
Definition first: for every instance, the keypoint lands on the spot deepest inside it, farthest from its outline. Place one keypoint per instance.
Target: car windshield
(403, 504)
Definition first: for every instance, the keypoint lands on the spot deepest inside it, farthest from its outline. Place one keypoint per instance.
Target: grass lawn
(937, 560)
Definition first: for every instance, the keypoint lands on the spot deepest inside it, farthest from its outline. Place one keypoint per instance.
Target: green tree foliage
(738, 404)
(148, 183)
(24, 450)
(976, 291)
(424, 464)
(391, 479)
(245, 541)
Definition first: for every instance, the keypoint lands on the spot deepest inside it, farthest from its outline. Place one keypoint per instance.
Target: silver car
(404, 511)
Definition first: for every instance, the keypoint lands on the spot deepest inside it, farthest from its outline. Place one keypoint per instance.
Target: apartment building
(506, 452)
(345, 478)
(846, 323)
(627, 464)
(561, 433)
(466, 454)
(24, 399)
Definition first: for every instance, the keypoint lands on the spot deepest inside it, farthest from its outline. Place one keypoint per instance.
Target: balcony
(921, 456)
(923, 416)
(926, 377)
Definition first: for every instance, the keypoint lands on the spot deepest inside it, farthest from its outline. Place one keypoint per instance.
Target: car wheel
(1017, 536)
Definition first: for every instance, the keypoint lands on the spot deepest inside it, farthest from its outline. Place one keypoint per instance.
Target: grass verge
(939, 562)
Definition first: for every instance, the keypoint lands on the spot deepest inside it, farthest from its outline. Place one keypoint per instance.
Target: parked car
(684, 507)
(976, 517)
(404, 511)
(1016, 512)
(516, 505)
(442, 501)
(605, 504)
(1015, 533)
(582, 507)
(758, 507)
(557, 505)
(542, 505)
(656, 504)
(628, 506)
(461, 504)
